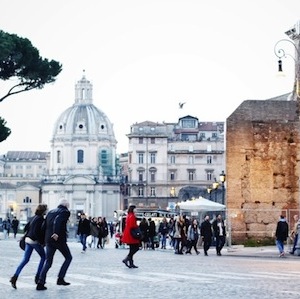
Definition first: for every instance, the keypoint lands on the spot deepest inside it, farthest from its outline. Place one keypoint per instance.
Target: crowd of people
(183, 234)
(94, 232)
(8, 224)
(47, 232)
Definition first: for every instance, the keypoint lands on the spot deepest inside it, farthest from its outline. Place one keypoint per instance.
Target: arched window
(80, 156)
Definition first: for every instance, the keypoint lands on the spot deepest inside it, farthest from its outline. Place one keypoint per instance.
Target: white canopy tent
(201, 204)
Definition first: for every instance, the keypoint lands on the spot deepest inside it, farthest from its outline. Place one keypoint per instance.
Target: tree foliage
(4, 131)
(21, 63)
(20, 60)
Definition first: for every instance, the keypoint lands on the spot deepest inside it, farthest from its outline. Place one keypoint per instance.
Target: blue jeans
(280, 245)
(50, 251)
(83, 241)
(27, 254)
(163, 241)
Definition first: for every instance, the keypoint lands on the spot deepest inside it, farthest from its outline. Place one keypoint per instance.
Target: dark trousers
(50, 251)
(133, 249)
(295, 243)
(206, 244)
(192, 244)
(220, 241)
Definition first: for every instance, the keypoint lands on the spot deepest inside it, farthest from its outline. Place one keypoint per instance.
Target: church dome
(83, 121)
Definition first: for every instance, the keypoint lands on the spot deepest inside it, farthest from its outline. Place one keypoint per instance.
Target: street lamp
(209, 189)
(215, 186)
(222, 180)
(294, 35)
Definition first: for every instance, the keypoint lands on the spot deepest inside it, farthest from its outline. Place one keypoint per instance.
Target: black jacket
(206, 230)
(282, 230)
(84, 227)
(35, 229)
(56, 223)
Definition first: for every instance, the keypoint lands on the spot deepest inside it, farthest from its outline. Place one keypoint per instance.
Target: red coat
(130, 223)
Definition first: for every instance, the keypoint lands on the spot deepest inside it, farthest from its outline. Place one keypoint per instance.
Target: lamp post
(209, 189)
(215, 186)
(294, 35)
(222, 180)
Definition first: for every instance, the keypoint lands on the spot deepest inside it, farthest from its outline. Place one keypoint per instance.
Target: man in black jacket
(219, 233)
(206, 234)
(56, 239)
(83, 231)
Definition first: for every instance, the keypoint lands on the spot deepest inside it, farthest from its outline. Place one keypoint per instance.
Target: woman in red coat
(134, 244)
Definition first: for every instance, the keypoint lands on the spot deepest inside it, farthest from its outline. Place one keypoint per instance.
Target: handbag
(136, 233)
(22, 243)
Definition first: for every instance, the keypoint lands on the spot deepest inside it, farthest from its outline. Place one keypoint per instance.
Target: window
(202, 135)
(214, 135)
(141, 176)
(104, 157)
(191, 175)
(141, 140)
(141, 158)
(209, 176)
(172, 159)
(209, 159)
(141, 191)
(188, 123)
(152, 191)
(152, 158)
(152, 176)
(27, 200)
(58, 157)
(80, 156)
(172, 176)
(152, 140)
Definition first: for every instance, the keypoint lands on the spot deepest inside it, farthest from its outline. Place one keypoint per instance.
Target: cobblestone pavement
(99, 273)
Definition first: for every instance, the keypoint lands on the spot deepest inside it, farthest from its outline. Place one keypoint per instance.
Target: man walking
(15, 226)
(220, 233)
(282, 232)
(206, 234)
(56, 239)
(83, 231)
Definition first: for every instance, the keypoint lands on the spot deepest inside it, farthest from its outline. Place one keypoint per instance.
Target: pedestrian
(34, 240)
(294, 233)
(151, 233)
(219, 233)
(56, 239)
(94, 228)
(101, 233)
(127, 238)
(83, 230)
(5, 227)
(15, 226)
(282, 232)
(105, 239)
(193, 236)
(111, 229)
(178, 234)
(144, 226)
(206, 234)
(163, 232)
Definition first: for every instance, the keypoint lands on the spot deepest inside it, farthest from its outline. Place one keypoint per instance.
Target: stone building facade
(262, 155)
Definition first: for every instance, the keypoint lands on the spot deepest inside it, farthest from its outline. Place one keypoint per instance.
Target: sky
(143, 57)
